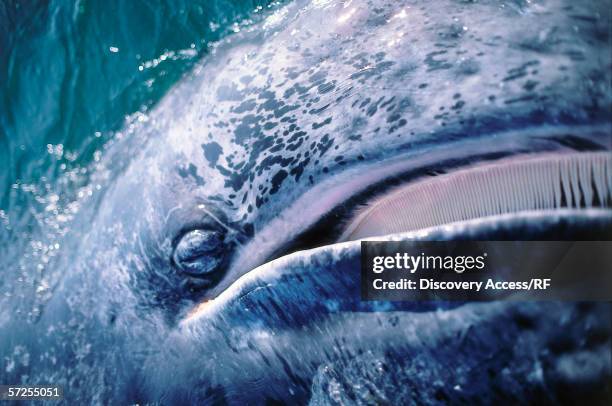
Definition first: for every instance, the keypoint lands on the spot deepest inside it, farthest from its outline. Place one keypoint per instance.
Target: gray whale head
(221, 264)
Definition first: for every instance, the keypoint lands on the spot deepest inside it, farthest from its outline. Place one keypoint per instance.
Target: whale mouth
(543, 170)
(549, 195)
(426, 185)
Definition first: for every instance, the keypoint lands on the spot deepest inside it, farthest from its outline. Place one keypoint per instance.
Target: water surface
(75, 77)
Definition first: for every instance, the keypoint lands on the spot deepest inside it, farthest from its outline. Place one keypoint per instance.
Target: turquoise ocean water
(70, 71)
(73, 75)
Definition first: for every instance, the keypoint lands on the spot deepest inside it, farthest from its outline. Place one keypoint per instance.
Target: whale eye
(200, 253)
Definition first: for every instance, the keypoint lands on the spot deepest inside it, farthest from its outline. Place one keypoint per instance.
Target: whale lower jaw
(329, 265)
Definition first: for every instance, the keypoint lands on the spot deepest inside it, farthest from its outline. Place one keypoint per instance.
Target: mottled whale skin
(278, 126)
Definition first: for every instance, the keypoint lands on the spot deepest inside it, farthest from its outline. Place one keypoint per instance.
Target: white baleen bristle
(539, 182)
